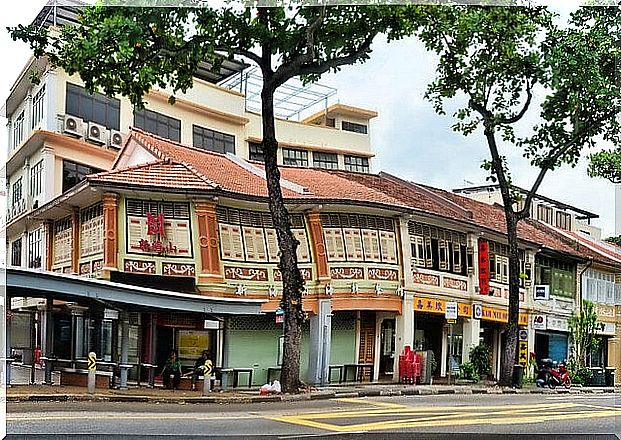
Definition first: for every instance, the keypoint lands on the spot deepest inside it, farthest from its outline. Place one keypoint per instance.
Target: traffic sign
(92, 361)
(208, 368)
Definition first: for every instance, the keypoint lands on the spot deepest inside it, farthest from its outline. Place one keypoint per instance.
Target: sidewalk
(40, 393)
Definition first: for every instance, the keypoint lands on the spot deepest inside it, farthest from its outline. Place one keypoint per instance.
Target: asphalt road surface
(430, 417)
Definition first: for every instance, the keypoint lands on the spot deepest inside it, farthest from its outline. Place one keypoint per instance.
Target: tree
(582, 329)
(606, 164)
(128, 50)
(495, 59)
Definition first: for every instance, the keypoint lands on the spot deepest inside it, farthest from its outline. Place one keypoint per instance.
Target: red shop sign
(483, 267)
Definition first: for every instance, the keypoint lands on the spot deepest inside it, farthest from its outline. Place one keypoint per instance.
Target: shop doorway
(366, 352)
(165, 343)
(387, 355)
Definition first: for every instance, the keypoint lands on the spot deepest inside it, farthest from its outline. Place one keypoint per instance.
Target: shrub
(468, 371)
(481, 360)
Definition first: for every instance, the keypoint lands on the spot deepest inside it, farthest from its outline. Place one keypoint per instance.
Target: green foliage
(614, 240)
(481, 360)
(582, 332)
(469, 372)
(531, 86)
(606, 164)
(579, 374)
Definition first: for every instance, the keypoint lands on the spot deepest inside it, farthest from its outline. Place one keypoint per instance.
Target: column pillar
(9, 132)
(210, 270)
(319, 246)
(320, 343)
(110, 213)
(75, 240)
(471, 331)
(49, 244)
(404, 329)
(51, 121)
(26, 184)
(444, 352)
(124, 322)
(47, 338)
(49, 171)
(403, 236)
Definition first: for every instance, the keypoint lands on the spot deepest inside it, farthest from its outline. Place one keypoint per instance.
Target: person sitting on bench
(172, 370)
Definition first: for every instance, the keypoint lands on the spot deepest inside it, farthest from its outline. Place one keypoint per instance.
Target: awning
(21, 282)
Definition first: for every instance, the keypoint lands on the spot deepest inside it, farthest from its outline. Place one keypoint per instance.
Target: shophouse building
(381, 258)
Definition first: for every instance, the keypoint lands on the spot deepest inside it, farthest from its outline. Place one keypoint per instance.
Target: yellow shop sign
(431, 305)
(501, 315)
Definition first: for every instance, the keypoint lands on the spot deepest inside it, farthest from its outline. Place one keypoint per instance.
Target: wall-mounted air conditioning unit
(116, 140)
(73, 125)
(96, 133)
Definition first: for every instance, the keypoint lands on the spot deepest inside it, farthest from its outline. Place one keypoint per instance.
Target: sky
(408, 138)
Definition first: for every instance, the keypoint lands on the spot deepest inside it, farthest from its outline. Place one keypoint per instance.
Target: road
(440, 416)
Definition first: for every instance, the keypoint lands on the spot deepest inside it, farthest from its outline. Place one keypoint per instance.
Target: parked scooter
(551, 376)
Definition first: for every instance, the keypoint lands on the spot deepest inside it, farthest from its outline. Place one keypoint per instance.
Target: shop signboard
(477, 311)
(523, 353)
(483, 267)
(542, 292)
(280, 316)
(605, 328)
(557, 324)
(111, 314)
(450, 312)
(429, 305)
(540, 322)
(211, 325)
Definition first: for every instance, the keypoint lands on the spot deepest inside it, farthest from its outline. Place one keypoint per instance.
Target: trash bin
(610, 377)
(518, 376)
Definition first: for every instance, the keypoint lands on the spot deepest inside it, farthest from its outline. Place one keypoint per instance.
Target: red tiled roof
(185, 167)
(161, 173)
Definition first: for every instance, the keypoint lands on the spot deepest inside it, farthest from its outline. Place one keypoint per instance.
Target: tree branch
(513, 119)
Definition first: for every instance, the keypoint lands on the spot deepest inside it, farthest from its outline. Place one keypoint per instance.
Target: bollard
(92, 367)
(207, 372)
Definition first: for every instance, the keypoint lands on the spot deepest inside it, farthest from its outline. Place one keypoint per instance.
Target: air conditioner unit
(116, 140)
(73, 126)
(96, 133)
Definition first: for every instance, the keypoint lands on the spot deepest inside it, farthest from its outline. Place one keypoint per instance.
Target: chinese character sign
(483, 267)
(155, 224)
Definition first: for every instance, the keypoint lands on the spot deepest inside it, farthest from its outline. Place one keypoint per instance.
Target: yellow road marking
(458, 415)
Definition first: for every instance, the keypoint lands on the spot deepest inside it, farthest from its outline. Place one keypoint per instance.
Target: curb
(320, 395)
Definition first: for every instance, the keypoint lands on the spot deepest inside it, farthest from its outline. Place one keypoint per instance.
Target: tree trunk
(292, 281)
(509, 358)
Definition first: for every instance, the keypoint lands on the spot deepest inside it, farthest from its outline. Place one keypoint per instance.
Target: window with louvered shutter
(303, 250)
(136, 231)
(231, 242)
(418, 250)
(272, 245)
(428, 253)
(179, 235)
(91, 238)
(254, 244)
(389, 246)
(443, 256)
(370, 241)
(334, 244)
(353, 244)
(456, 251)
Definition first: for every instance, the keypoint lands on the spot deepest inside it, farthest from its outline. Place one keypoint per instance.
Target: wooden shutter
(353, 244)
(303, 250)
(334, 244)
(418, 250)
(443, 254)
(272, 245)
(180, 236)
(370, 241)
(389, 246)
(136, 231)
(231, 242)
(62, 246)
(428, 253)
(255, 244)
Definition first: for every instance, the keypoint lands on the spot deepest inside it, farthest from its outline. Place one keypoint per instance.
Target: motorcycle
(553, 377)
